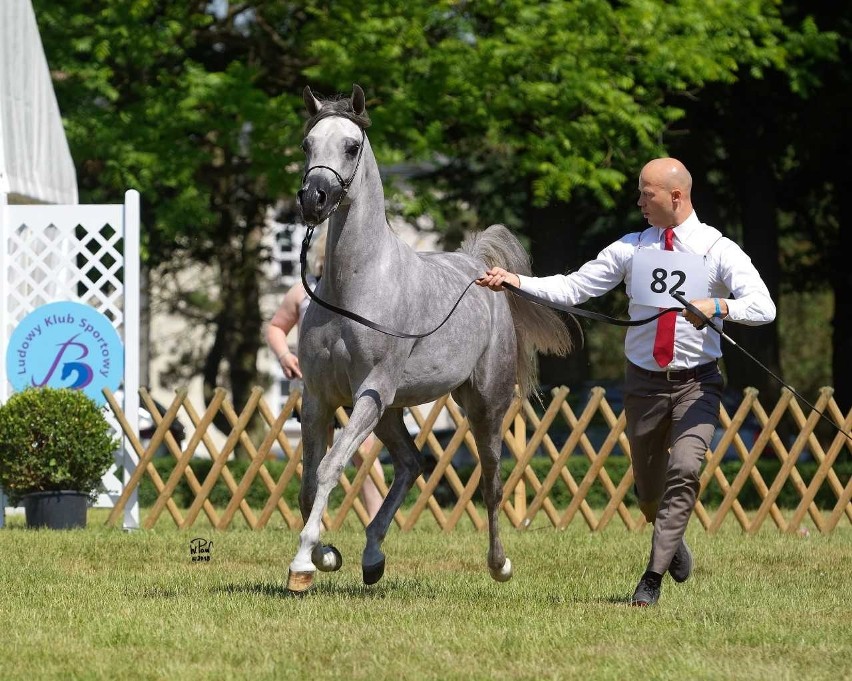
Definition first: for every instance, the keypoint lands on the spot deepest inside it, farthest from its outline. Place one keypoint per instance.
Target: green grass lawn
(106, 604)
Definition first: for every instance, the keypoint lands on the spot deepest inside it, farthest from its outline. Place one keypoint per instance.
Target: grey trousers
(669, 426)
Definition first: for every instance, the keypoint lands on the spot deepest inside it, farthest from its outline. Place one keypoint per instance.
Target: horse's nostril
(321, 196)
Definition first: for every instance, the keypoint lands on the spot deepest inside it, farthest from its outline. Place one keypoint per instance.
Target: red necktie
(664, 341)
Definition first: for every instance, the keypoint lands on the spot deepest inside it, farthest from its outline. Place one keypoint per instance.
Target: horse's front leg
(407, 465)
(314, 499)
(316, 417)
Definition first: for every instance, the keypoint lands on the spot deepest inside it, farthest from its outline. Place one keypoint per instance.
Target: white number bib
(658, 273)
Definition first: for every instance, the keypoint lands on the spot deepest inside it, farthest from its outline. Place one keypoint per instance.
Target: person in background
(672, 384)
(289, 314)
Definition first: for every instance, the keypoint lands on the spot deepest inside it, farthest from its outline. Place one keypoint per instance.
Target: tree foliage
(538, 115)
(539, 99)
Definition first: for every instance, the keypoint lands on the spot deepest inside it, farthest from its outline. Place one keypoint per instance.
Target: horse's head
(333, 145)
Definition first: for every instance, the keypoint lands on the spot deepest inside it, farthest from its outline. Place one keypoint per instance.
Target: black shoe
(647, 592)
(681, 565)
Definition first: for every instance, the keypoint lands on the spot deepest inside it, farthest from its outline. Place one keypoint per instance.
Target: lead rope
(303, 257)
(588, 314)
(356, 317)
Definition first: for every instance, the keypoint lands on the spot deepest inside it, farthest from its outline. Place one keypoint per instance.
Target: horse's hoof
(330, 560)
(373, 573)
(503, 574)
(299, 582)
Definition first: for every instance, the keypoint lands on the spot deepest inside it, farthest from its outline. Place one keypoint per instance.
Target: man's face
(656, 202)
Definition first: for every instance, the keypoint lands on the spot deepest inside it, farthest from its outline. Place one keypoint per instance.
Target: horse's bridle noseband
(344, 184)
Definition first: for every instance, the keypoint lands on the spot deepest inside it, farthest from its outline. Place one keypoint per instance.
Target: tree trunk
(841, 364)
(751, 174)
(760, 241)
(237, 339)
(144, 326)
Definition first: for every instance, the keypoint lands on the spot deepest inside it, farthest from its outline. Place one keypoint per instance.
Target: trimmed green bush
(53, 439)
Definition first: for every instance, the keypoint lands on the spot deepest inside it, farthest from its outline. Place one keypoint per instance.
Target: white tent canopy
(35, 162)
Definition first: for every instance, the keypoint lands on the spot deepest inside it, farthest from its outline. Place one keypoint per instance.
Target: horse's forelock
(342, 107)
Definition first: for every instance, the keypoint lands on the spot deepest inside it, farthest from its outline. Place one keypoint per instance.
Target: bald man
(672, 386)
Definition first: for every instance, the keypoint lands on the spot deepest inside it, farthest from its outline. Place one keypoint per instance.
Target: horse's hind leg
(408, 464)
(486, 417)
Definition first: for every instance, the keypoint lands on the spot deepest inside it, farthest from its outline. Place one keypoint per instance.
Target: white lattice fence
(87, 254)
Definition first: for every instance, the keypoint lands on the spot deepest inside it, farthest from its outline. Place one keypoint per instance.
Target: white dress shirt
(731, 276)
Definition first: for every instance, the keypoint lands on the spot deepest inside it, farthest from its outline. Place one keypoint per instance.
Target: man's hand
(708, 307)
(290, 364)
(495, 277)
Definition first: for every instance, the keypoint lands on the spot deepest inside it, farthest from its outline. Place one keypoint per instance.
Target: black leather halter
(345, 184)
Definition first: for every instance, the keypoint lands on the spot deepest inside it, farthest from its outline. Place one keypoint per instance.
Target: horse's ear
(359, 102)
(312, 104)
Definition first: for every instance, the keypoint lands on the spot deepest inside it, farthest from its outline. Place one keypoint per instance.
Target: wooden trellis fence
(540, 487)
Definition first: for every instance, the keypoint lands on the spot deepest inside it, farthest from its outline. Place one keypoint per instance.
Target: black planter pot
(58, 510)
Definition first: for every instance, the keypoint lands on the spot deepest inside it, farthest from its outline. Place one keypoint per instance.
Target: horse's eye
(352, 148)
(305, 145)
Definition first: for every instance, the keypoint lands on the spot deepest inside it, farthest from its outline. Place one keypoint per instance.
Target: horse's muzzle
(318, 198)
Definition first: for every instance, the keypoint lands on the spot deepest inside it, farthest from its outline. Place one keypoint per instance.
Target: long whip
(709, 322)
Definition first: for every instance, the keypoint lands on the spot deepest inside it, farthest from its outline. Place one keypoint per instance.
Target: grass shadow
(257, 589)
(159, 592)
(622, 599)
(324, 589)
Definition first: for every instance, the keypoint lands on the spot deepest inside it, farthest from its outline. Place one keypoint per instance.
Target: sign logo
(66, 345)
(199, 550)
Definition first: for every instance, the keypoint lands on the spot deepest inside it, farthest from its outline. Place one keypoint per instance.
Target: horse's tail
(537, 328)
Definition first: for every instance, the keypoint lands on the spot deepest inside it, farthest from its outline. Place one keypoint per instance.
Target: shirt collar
(684, 229)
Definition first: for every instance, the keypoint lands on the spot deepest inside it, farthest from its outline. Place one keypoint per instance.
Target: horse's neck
(362, 249)
(360, 245)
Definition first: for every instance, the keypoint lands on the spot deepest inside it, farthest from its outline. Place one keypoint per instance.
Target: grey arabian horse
(486, 345)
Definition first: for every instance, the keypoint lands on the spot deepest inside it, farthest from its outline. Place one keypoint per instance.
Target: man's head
(665, 186)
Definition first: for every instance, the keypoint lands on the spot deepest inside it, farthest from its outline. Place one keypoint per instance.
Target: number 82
(658, 285)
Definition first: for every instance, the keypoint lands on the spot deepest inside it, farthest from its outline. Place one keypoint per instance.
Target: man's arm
(751, 303)
(593, 279)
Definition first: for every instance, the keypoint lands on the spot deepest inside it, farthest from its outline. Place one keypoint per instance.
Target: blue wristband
(718, 312)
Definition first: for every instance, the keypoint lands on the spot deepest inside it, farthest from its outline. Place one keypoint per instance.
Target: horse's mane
(340, 106)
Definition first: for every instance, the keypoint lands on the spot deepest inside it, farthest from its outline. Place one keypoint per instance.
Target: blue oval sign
(66, 345)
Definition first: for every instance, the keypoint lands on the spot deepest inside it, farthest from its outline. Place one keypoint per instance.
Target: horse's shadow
(358, 591)
(334, 589)
(576, 599)
(620, 599)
